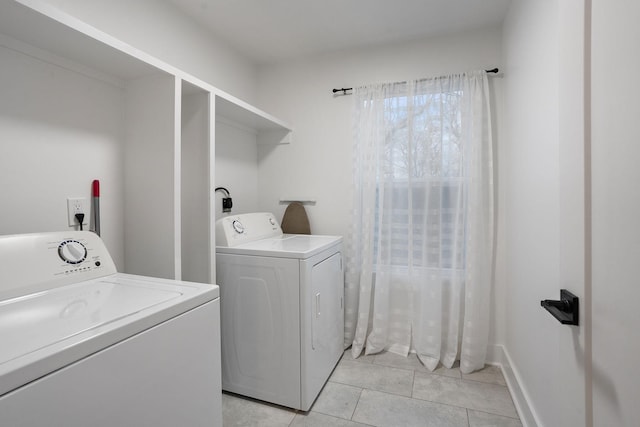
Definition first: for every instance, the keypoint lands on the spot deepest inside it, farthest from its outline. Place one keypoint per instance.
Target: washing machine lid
(50, 329)
(301, 246)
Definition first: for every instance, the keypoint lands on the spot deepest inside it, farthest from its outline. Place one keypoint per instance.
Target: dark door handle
(566, 310)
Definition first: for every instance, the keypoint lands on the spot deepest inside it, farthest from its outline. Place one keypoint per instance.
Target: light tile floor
(389, 390)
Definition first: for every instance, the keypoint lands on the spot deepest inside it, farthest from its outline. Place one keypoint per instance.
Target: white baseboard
(495, 354)
(498, 355)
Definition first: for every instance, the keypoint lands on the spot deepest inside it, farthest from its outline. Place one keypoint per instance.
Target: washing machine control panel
(235, 230)
(72, 251)
(58, 257)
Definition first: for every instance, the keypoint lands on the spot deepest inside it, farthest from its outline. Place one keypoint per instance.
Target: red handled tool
(96, 206)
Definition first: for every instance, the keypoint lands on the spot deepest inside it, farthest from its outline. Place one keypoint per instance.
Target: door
(615, 212)
(569, 373)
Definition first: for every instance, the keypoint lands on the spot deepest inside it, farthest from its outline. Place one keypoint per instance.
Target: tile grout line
(493, 413)
(357, 403)
(413, 382)
(356, 406)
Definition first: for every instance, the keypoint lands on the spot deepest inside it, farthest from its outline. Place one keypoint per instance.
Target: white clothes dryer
(282, 314)
(84, 345)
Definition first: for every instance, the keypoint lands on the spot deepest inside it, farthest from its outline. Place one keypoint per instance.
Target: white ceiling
(272, 30)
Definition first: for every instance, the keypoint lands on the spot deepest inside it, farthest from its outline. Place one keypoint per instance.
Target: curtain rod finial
(343, 90)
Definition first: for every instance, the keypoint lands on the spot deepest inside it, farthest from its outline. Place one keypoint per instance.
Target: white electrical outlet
(77, 205)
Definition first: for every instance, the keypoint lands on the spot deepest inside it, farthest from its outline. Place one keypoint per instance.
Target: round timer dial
(238, 227)
(72, 251)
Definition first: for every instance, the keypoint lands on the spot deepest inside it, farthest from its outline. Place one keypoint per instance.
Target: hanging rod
(345, 89)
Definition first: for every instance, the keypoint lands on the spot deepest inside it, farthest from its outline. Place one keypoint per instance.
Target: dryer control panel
(235, 230)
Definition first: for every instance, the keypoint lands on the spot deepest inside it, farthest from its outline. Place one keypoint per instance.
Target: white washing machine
(83, 345)
(282, 309)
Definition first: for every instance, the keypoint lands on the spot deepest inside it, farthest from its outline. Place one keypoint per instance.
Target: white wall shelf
(165, 178)
(303, 200)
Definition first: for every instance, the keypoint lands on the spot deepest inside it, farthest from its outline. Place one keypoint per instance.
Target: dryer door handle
(317, 304)
(316, 310)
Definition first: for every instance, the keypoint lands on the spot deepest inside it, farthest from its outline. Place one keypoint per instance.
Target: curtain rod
(345, 89)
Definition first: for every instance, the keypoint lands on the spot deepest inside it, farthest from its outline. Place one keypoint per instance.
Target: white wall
(236, 167)
(159, 29)
(62, 129)
(317, 164)
(149, 164)
(531, 129)
(59, 130)
(195, 189)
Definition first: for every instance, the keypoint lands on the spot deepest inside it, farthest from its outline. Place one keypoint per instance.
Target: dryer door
(325, 340)
(327, 318)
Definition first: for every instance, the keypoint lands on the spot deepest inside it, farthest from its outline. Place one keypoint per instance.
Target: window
(422, 183)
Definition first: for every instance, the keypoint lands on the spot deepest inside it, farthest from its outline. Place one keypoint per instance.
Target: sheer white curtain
(420, 255)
